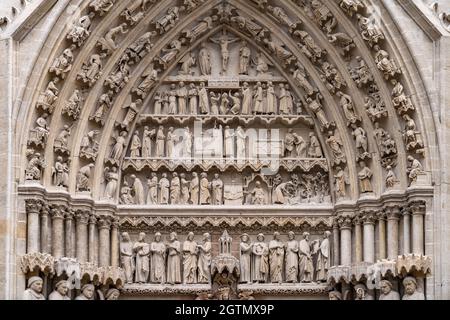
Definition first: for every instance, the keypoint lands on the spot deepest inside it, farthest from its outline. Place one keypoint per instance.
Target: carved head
(327, 234)
(276, 236)
(206, 237)
(112, 294)
(216, 176)
(245, 238)
(261, 237)
(360, 291)
(125, 237)
(142, 237)
(410, 285)
(191, 236)
(88, 291)
(35, 284)
(173, 236)
(335, 295)
(158, 237)
(62, 287)
(306, 235)
(291, 235)
(386, 287)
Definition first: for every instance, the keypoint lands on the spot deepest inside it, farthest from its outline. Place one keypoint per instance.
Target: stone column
(82, 235)
(57, 213)
(393, 217)
(381, 215)
(345, 225)
(418, 229)
(115, 243)
(369, 219)
(358, 241)
(336, 253)
(406, 214)
(104, 226)
(92, 245)
(69, 216)
(45, 244)
(33, 207)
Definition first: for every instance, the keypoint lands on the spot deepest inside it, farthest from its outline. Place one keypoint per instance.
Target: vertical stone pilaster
(104, 243)
(82, 218)
(33, 208)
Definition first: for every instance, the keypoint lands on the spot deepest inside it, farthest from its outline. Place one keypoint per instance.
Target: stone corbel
(413, 264)
(112, 275)
(41, 262)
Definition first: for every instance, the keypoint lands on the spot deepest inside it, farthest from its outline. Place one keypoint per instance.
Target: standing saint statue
(245, 259)
(260, 260)
(164, 187)
(204, 259)
(324, 258)
(258, 99)
(152, 183)
(205, 195)
(272, 103)
(365, 177)
(127, 257)
(217, 190)
(147, 142)
(158, 260)
(247, 99)
(204, 60)
(173, 260)
(190, 260)
(203, 99)
(241, 139)
(138, 190)
(136, 146)
(292, 259)
(245, 55)
(276, 258)
(306, 266)
(160, 142)
(184, 187)
(175, 189)
(142, 250)
(193, 98)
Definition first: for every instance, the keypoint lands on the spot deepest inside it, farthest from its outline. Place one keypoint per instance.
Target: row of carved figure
(260, 262)
(218, 142)
(387, 291)
(201, 191)
(62, 290)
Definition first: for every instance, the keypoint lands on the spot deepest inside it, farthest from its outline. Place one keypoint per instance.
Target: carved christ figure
(224, 42)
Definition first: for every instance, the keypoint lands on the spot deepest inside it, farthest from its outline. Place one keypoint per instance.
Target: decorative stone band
(417, 265)
(257, 289)
(220, 223)
(72, 269)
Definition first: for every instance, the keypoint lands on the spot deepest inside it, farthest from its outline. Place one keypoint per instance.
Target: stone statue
(279, 51)
(203, 26)
(47, 98)
(245, 259)
(361, 292)
(385, 64)
(63, 64)
(247, 99)
(112, 294)
(193, 99)
(87, 292)
(362, 144)
(108, 42)
(84, 177)
(158, 260)
(335, 295)
(259, 196)
(241, 143)
(184, 187)
(217, 191)
(104, 104)
(306, 267)
(323, 258)
(60, 173)
(72, 107)
(187, 143)
(260, 260)
(142, 251)
(175, 189)
(272, 99)
(102, 7)
(148, 135)
(204, 60)
(215, 99)
(245, 55)
(34, 291)
(280, 16)
(89, 145)
(127, 257)
(190, 251)
(125, 194)
(169, 54)
(336, 145)
(391, 178)
(152, 183)
(168, 21)
(341, 181)
(347, 105)
(182, 94)
(411, 136)
(173, 260)
(387, 292)
(35, 166)
(369, 31)
(301, 77)
(141, 47)
(401, 102)
(315, 149)
(365, 178)
(164, 187)
(262, 64)
(258, 99)
(414, 169)
(61, 291)
(81, 30)
(92, 71)
(223, 41)
(119, 147)
(203, 99)
(112, 181)
(291, 267)
(205, 195)
(194, 188)
(204, 259)
(276, 258)
(160, 142)
(136, 146)
(150, 78)
(62, 140)
(138, 190)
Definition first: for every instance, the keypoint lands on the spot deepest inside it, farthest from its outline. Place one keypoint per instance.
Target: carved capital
(345, 221)
(115, 223)
(357, 220)
(58, 212)
(33, 205)
(69, 214)
(45, 211)
(104, 222)
(393, 212)
(417, 207)
(82, 217)
(369, 217)
(93, 219)
(381, 215)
